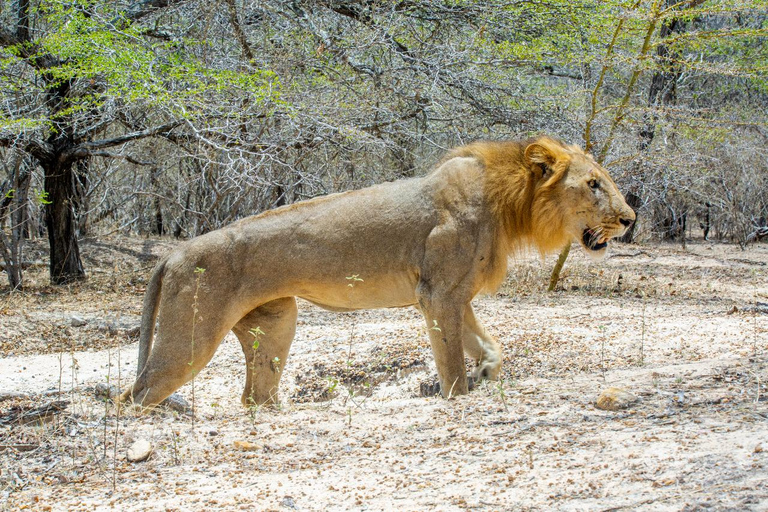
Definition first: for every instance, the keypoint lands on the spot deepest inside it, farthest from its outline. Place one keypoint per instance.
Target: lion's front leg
(445, 325)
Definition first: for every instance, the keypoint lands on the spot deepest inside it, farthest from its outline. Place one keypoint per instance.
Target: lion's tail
(149, 315)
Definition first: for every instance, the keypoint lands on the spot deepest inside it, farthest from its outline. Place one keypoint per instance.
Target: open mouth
(593, 241)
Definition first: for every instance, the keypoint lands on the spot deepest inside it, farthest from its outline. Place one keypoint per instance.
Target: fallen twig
(37, 415)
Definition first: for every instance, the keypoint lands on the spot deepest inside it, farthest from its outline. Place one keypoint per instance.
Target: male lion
(432, 242)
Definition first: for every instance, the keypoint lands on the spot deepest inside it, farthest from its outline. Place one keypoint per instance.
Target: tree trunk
(80, 197)
(663, 89)
(158, 227)
(19, 219)
(14, 207)
(66, 265)
(634, 202)
(661, 93)
(555, 277)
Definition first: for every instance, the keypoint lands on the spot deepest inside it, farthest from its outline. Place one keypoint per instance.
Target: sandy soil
(684, 330)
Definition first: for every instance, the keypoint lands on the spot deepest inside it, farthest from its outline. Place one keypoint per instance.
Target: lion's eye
(594, 184)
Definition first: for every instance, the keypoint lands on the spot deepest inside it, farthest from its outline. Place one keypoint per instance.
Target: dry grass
(680, 329)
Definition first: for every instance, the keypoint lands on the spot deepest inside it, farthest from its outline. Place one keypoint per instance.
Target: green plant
(502, 394)
(199, 271)
(176, 446)
(42, 197)
(642, 330)
(601, 328)
(333, 383)
(354, 278)
(256, 332)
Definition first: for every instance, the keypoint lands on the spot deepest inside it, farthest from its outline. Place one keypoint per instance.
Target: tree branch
(239, 34)
(138, 10)
(128, 158)
(89, 148)
(39, 149)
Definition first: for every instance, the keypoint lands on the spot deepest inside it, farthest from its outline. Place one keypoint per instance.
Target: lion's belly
(357, 292)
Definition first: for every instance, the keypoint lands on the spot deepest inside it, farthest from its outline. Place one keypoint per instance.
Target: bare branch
(144, 8)
(88, 148)
(128, 158)
(239, 34)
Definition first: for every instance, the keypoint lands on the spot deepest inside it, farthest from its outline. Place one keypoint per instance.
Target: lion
(432, 242)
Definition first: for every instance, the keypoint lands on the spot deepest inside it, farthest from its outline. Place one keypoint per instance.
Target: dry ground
(685, 330)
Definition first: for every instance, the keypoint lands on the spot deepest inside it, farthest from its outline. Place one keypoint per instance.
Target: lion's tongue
(591, 241)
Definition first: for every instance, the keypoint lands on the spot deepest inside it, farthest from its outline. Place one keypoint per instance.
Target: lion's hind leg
(266, 334)
(481, 346)
(178, 354)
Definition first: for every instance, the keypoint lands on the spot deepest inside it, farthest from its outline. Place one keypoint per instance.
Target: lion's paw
(429, 388)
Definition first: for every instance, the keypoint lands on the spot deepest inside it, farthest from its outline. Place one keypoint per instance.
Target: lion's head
(546, 194)
(576, 195)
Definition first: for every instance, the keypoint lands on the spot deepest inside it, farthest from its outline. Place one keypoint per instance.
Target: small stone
(105, 390)
(429, 388)
(139, 451)
(246, 446)
(177, 403)
(758, 448)
(614, 399)
(77, 321)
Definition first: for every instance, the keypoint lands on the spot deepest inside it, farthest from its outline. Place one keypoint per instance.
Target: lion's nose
(626, 222)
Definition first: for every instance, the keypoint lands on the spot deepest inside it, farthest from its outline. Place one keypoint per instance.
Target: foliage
(189, 114)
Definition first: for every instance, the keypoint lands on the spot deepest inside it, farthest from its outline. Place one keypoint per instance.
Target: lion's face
(598, 209)
(589, 202)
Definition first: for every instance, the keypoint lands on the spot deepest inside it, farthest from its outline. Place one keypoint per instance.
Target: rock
(246, 446)
(127, 325)
(105, 390)
(77, 321)
(36, 416)
(614, 399)
(139, 451)
(178, 403)
(429, 388)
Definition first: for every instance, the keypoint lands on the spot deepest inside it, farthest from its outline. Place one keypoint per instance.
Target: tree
(242, 105)
(70, 80)
(13, 207)
(657, 35)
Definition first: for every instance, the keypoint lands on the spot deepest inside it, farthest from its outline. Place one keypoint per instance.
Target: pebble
(178, 403)
(77, 321)
(246, 446)
(614, 399)
(139, 451)
(105, 390)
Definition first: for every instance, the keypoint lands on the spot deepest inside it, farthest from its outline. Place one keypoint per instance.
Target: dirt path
(683, 331)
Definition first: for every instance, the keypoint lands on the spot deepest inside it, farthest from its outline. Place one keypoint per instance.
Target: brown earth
(684, 330)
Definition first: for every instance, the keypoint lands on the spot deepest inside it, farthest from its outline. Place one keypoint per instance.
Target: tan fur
(432, 242)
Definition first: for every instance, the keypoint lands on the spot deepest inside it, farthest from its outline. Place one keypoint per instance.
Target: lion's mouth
(593, 241)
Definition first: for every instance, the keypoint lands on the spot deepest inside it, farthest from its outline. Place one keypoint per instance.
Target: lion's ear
(545, 152)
